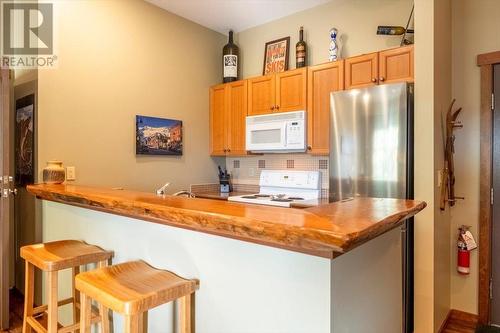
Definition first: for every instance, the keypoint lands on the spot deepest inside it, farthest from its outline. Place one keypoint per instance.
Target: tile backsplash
(246, 170)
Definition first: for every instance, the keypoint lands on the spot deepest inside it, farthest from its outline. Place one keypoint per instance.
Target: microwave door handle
(284, 134)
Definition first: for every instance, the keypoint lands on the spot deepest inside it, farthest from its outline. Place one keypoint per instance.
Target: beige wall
(442, 99)
(357, 21)
(475, 31)
(424, 166)
(432, 95)
(118, 59)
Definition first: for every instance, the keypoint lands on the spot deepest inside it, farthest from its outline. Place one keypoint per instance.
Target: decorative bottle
(301, 50)
(392, 30)
(230, 60)
(334, 48)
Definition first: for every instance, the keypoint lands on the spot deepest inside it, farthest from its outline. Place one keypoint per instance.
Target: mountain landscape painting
(158, 136)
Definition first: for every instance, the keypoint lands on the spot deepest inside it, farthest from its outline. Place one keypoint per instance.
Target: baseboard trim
(461, 316)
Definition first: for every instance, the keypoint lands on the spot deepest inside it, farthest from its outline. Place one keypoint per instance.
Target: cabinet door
(361, 71)
(291, 90)
(218, 126)
(396, 65)
(322, 80)
(237, 112)
(261, 95)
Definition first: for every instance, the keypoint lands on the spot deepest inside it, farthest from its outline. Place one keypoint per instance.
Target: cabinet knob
(277, 107)
(225, 150)
(382, 79)
(374, 80)
(228, 150)
(273, 107)
(309, 148)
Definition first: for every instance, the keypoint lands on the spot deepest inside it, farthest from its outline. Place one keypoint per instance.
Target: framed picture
(276, 56)
(158, 136)
(24, 140)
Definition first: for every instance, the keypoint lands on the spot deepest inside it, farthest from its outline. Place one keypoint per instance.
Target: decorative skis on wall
(448, 175)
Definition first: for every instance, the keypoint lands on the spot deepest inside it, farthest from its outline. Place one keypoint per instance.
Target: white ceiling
(222, 15)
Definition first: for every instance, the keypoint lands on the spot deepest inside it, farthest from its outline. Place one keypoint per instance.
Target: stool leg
(76, 298)
(52, 307)
(132, 323)
(185, 313)
(104, 311)
(29, 289)
(143, 322)
(85, 313)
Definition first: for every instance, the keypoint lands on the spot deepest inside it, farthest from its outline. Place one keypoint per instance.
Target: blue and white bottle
(334, 49)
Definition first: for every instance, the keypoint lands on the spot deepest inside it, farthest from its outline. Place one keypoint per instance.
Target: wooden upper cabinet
(291, 90)
(228, 111)
(218, 120)
(300, 89)
(322, 80)
(261, 95)
(236, 118)
(396, 65)
(361, 71)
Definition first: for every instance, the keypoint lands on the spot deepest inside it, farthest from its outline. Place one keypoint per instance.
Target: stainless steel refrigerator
(371, 155)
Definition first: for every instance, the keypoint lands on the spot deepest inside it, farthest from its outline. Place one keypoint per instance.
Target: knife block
(225, 184)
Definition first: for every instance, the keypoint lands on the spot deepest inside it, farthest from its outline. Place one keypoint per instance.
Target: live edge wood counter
(327, 230)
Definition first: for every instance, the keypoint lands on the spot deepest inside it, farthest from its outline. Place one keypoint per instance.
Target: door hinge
(492, 101)
(491, 196)
(491, 288)
(6, 186)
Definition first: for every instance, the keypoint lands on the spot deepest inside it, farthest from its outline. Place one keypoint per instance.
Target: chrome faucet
(184, 192)
(161, 190)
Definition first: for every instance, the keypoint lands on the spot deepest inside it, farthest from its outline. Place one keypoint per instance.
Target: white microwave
(276, 133)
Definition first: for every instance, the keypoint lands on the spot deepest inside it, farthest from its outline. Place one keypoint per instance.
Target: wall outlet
(70, 173)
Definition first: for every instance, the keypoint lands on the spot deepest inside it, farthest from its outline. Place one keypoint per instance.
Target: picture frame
(276, 56)
(158, 136)
(25, 140)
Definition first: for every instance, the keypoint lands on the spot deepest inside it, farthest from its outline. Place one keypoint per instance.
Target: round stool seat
(59, 255)
(133, 287)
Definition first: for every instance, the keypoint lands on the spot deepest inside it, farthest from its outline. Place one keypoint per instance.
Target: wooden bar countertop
(327, 230)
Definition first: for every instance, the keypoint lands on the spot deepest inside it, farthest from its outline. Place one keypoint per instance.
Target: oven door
(266, 136)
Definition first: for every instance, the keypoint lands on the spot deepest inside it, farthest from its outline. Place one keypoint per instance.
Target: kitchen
(98, 143)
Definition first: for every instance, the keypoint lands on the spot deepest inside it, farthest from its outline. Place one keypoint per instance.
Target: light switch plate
(70, 173)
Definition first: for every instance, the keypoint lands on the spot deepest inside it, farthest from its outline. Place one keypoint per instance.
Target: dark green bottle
(230, 60)
(300, 50)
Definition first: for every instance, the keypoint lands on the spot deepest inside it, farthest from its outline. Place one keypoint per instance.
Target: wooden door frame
(4, 202)
(485, 62)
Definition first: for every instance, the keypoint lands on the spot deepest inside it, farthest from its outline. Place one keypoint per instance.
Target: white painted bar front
(245, 287)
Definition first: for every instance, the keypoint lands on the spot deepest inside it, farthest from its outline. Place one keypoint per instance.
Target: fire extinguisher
(463, 256)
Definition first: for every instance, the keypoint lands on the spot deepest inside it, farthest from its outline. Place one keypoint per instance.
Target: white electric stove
(285, 188)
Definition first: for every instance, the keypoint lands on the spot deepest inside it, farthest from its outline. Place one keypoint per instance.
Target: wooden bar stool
(53, 257)
(133, 288)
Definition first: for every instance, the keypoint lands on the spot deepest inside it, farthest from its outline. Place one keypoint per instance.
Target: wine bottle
(300, 50)
(230, 55)
(392, 30)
